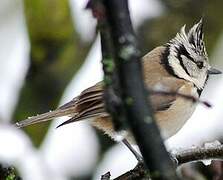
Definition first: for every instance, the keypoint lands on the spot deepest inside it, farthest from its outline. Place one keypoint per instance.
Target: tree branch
(134, 97)
(198, 154)
(215, 152)
(139, 172)
(111, 94)
(106, 176)
(187, 97)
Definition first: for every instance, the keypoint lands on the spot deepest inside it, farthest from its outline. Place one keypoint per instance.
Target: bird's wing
(90, 103)
(164, 93)
(87, 105)
(159, 79)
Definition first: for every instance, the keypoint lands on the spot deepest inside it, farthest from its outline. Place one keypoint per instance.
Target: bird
(181, 66)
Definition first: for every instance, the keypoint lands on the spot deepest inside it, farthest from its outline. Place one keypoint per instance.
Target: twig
(8, 173)
(106, 176)
(198, 154)
(188, 97)
(139, 172)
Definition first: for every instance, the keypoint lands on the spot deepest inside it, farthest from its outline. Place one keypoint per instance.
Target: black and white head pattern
(187, 57)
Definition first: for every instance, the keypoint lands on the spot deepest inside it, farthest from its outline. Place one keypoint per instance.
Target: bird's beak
(214, 71)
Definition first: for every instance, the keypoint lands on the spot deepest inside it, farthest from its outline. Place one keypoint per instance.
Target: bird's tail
(45, 116)
(88, 104)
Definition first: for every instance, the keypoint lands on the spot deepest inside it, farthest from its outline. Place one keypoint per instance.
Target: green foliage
(109, 65)
(8, 173)
(56, 54)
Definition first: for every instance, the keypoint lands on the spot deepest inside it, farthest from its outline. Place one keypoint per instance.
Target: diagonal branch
(198, 154)
(215, 152)
(138, 110)
(188, 97)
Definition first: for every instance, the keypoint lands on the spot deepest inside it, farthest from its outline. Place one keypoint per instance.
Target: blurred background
(50, 52)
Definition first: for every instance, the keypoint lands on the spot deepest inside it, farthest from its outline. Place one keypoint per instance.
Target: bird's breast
(172, 120)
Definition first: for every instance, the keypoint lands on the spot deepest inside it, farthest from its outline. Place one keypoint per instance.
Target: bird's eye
(200, 64)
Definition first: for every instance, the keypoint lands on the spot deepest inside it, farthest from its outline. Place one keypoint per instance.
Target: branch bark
(134, 97)
(112, 95)
(198, 154)
(139, 172)
(180, 157)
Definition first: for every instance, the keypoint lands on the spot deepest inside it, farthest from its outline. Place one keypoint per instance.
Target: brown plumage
(181, 66)
(89, 104)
